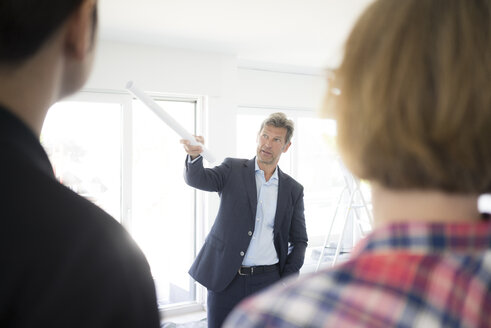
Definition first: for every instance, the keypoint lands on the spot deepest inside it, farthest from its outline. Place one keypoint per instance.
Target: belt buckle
(244, 274)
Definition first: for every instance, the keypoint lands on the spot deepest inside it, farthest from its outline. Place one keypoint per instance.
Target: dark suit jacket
(223, 251)
(64, 262)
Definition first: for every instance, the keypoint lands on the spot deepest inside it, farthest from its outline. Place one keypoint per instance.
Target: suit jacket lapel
(283, 192)
(250, 184)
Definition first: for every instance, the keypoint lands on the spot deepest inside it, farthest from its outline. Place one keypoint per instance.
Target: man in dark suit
(63, 261)
(259, 234)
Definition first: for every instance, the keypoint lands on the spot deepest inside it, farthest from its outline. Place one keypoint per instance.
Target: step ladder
(355, 204)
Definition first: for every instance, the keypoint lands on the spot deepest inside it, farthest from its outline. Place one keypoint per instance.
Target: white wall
(217, 76)
(259, 88)
(164, 70)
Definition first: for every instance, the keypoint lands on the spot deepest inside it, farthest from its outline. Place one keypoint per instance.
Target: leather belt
(253, 270)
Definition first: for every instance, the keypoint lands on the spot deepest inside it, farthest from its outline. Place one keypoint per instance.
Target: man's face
(270, 144)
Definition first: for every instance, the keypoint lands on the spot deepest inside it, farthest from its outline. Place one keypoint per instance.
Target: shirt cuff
(194, 160)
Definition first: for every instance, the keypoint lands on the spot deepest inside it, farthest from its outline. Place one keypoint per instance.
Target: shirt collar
(275, 173)
(465, 238)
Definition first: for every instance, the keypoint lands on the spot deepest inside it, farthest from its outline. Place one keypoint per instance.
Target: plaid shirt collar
(436, 238)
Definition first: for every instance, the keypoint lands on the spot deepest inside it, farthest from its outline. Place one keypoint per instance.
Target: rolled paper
(169, 120)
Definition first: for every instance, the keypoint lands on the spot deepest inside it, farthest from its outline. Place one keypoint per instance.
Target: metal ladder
(351, 190)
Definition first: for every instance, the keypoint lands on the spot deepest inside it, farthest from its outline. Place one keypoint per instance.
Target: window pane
(324, 177)
(83, 142)
(314, 162)
(320, 173)
(163, 217)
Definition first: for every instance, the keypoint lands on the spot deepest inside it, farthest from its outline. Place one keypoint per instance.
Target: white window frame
(201, 200)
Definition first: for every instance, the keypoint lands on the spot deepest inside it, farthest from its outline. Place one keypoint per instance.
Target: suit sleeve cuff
(194, 160)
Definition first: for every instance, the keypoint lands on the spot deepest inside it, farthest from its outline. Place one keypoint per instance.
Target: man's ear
(80, 30)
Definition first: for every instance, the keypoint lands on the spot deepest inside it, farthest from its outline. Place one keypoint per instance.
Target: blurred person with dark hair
(414, 117)
(64, 261)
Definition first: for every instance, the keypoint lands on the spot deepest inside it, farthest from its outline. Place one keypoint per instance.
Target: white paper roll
(169, 120)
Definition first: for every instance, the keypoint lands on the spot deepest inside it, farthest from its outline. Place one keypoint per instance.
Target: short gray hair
(279, 120)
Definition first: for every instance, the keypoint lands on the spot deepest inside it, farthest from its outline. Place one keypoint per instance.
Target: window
(83, 142)
(312, 160)
(163, 205)
(114, 151)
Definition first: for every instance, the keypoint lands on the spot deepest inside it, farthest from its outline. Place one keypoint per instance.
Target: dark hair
(26, 24)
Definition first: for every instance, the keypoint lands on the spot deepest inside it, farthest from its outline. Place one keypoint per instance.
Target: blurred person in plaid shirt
(414, 119)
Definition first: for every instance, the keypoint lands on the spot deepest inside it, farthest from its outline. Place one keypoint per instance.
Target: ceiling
(260, 33)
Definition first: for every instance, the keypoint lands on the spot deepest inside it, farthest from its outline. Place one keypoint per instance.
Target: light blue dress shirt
(261, 250)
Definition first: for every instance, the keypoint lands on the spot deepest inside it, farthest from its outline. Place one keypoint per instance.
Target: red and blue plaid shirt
(401, 275)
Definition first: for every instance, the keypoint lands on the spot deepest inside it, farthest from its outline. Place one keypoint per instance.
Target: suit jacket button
(242, 253)
(250, 233)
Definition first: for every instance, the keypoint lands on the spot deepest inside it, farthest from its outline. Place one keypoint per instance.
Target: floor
(193, 324)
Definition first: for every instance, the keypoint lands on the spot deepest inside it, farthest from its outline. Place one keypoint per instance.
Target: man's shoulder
(37, 201)
(46, 222)
(75, 248)
(238, 162)
(290, 181)
(77, 212)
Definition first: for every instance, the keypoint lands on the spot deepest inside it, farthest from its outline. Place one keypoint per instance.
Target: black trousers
(220, 304)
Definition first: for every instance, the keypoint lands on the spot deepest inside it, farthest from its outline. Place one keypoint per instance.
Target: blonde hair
(414, 110)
